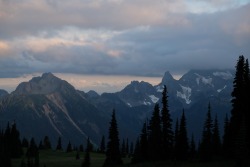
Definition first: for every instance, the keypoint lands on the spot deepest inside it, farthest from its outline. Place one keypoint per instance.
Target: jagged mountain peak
(93, 94)
(224, 74)
(76, 114)
(136, 86)
(138, 82)
(45, 84)
(45, 77)
(167, 78)
(48, 75)
(207, 77)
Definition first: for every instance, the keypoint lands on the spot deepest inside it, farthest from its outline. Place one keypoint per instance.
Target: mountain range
(47, 105)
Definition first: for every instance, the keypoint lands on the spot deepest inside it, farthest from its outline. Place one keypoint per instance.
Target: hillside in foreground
(50, 158)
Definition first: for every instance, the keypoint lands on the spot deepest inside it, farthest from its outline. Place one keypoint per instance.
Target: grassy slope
(61, 159)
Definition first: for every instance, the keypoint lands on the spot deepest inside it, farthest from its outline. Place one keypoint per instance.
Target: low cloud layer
(121, 37)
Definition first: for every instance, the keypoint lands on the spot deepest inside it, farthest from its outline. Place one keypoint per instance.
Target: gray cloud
(119, 37)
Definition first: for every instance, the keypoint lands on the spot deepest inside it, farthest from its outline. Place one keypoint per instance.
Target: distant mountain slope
(192, 92)
(47, 105)
(3, 93)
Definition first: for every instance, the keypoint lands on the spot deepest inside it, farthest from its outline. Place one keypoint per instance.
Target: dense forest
(159, 139)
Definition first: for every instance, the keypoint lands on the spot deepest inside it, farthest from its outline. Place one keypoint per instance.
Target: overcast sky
(120, 37)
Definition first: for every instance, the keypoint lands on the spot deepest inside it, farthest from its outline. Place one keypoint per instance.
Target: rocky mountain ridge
(50, 106)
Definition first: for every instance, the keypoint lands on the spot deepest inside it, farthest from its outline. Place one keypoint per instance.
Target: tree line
(12, 147)
(158, 141)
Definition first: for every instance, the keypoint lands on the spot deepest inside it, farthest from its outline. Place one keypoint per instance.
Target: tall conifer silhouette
(216, 141)
(181, 148)
(239, 129)
(144, 143)
(206, 142)
(113, 155)
(155, 135)
(102, 145)
(167, 133)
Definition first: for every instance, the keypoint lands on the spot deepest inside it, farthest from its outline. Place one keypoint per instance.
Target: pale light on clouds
(211, 6)
(114, 53)
(120, 37)
(3, 47)
(85, 83)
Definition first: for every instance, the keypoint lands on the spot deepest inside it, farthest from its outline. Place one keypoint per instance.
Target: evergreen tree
(241, 153)
(127, 147)
(240, 118)
(226, 138)
(41, 146)
(167, 133)
(182, 140)
(216, 141)
(123, 149)
(69, 148)
(32, 151)
(77, 155)
(32, 154)
(46, 143)
(81, 149)
(15, 146)
(141, 150)
(192, 151)
(7, 139)
(113, 155)
(176, 133)
(144, 143)
(206, 143)
(86, 161)
(5, 153)
(25, 143)
(131, 149)
(102, 145)
(137, 157)
(155, 135)
(238, 100)
(59, 144)
(247, 101)
(89, 146)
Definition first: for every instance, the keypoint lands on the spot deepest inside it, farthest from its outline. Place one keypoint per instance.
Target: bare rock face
(45, 84)
(3, 93)
(49, 106)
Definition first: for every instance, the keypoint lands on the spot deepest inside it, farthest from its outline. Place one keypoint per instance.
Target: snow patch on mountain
(198, 81)
(159, 88)
(129, 105)
(153, 98)
(224, 75)
(146, 103)
(219, 90)
(185, 94)
(204, 80)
